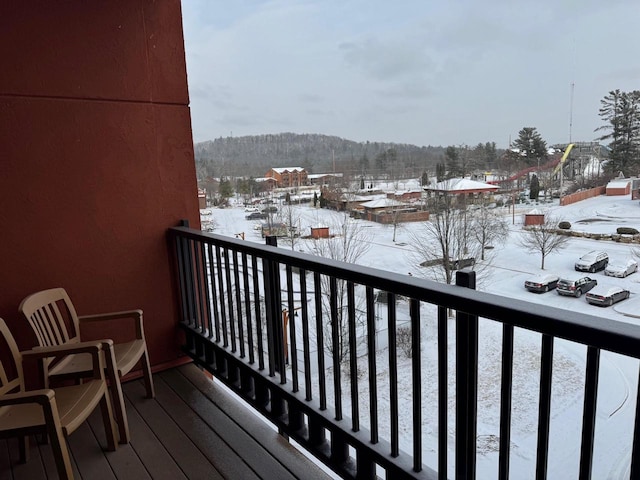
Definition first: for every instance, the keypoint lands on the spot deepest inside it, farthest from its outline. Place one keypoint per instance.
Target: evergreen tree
(534, 188)
(452, 165)
(323, 201)
(621, 112)
(225, 190)
(531, 145)
(424, 180)
(315, 199)
(491, 154)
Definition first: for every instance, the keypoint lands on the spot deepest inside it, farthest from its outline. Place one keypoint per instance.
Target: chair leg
(115, 391)
(61, 455)
(58, 441)
(148, 379)
(109, 424)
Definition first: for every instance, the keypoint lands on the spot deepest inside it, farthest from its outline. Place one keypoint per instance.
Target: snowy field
(505, 275)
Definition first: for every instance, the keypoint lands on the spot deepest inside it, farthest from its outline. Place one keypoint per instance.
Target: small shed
(202, 199)
(319, 232)
(534, 217)
(619, 186)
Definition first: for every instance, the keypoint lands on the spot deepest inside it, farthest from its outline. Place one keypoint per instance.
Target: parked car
(621, 269)
(270, 209)
(575, 288)
(541, 283)
(251, 208)
(592, 262)
(606, 296)
(256, 216)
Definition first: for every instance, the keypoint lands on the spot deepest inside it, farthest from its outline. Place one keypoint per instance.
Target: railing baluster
(269, 313)
(337, 344)
(214, 293)
(589, 412)
(199, 285)
(353, 358)
(308, 395)
(238, 289)
(393, 374)
(443, 391)
(207, 287)
(230, 288)
(371, 356)
(416, 382)
(247, 307)
(258, 310)
(291, 313)
(223, 313)
(505, 401)
(544, 413)
(322, 388)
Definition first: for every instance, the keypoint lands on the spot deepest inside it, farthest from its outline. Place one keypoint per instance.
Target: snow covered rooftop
(619, 183)
(288, 169)
(313, 176)
(382, 203)
(461, 185)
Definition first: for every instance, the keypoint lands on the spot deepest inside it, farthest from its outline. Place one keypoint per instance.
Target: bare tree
(348, 244)
(291, 218)
(445, 243)
(543, 238)
(487, 228)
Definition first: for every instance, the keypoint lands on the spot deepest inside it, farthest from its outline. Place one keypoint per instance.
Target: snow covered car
(621, 269)
(606, 296)
(541, 283)
(256, 216)
(575, 288)
(592, 262)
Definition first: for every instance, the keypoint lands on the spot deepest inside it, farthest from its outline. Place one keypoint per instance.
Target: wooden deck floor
(192, 430)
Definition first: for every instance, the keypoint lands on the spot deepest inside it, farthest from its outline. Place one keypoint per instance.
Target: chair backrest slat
(47, 320)
(7, 384)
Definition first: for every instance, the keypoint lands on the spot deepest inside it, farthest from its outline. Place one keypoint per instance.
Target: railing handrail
(602, 333)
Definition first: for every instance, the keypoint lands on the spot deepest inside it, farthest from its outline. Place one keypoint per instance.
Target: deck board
(180, 446)
(193, 429)
(269, 443)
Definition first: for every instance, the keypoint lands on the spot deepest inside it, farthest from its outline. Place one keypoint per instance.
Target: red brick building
(288, 176)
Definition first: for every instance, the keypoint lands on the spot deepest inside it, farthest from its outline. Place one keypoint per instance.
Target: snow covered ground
(505, 276)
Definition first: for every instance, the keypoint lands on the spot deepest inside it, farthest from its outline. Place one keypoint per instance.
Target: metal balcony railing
(321, 348)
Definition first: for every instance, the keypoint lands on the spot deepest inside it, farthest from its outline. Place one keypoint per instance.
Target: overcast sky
(436, 72)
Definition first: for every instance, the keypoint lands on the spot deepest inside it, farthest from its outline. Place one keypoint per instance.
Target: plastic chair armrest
(41, 396)
(135, 315)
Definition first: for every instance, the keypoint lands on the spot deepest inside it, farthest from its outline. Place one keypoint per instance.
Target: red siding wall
(97, 157)
(579, 196)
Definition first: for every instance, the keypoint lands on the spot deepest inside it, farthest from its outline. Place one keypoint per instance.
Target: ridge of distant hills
(254, 155)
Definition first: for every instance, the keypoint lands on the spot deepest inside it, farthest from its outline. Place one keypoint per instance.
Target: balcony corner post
(466, 383)
(274, 311)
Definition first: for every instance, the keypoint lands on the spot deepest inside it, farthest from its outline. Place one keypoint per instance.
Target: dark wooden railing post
(274, 312)
(186, 259)
(466, 384)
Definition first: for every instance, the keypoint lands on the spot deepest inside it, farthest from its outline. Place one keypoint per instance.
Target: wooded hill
(255, 155)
